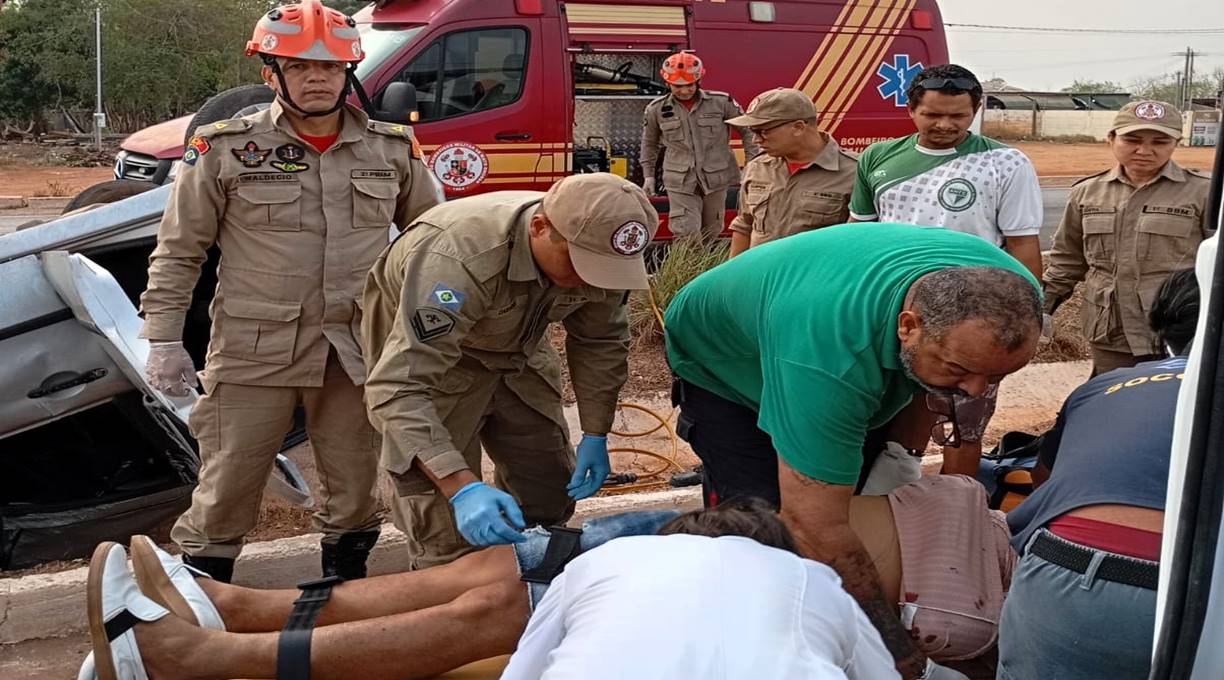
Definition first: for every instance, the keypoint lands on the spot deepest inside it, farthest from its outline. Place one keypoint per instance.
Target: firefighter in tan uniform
(698, 162)
(801, 182)
(455, 336)
(1125, 231)
(298, 229)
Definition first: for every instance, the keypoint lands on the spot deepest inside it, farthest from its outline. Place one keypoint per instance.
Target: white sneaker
(87, 671)
(169, 582)
(115, 605)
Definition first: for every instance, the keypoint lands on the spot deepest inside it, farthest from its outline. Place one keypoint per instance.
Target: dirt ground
(1054, 160)
(44, 170)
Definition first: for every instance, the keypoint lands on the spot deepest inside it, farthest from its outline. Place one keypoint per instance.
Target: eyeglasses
(946, 431)
(762, 131)
(941, 83)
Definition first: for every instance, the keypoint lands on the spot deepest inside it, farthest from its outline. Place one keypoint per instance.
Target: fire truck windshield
(381, 42)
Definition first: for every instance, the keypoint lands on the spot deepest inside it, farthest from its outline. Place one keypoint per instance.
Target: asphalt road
(1052, 202)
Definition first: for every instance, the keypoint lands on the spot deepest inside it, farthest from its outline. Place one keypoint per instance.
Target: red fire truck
(513, 94)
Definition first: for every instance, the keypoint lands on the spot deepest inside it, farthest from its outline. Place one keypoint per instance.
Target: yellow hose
(669, 461)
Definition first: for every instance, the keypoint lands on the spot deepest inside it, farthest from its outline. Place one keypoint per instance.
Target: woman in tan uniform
(1125, 230)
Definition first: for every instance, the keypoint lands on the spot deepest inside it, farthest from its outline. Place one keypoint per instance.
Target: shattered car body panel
(89, 451)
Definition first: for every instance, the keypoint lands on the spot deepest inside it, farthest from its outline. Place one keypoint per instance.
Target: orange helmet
(682, 68)
(307, 30)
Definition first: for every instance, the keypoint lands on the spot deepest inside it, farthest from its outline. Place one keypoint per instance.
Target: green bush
(673, 266)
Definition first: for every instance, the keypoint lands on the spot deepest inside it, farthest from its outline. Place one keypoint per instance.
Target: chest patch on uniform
(251, 155)
(1169, 210)
(290, 152)
(372, 174)
(290, 166)
(429, 323)
(262, 177)
(957, 195)
(447, 297)
(198, 146)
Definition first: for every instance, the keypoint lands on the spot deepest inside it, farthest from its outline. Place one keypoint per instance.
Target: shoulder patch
(1085, 179)
(223, 127)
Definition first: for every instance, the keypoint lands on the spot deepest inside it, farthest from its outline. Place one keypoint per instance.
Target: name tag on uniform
(831, 196)
(1169, 210)
(373, 174)
(249, 177)
(1096, 210)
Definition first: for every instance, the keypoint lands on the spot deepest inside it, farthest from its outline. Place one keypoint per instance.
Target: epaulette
(1198, 173)
(658, 99)
(223, 127)
(399, 130)
(1085, 179)
(719, 93)
(852, 155)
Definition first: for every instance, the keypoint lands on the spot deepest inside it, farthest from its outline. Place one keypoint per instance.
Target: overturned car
(88, 450)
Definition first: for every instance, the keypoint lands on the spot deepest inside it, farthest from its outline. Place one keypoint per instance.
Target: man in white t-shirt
(946, 176)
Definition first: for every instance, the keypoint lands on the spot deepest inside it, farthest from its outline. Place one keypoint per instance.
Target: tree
(349, 7)
(1093, 86)
(1165, 87)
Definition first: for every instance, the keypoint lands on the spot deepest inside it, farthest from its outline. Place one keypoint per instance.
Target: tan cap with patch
(1148, 115)
(608, 222)
(779, 105)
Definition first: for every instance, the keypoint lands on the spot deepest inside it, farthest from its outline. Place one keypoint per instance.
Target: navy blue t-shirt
(1112, 441)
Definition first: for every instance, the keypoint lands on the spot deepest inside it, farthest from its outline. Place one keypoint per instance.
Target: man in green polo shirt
(788, 354)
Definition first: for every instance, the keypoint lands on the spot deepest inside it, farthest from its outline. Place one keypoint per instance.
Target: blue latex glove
(592, 468)
(488, 516)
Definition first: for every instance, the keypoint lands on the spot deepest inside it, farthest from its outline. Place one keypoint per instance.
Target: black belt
(1130, 571)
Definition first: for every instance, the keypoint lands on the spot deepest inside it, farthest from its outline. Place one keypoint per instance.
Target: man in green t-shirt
(788, 354)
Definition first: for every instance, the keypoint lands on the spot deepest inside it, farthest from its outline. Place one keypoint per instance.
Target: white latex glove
(936, 672)
(169, 369)
(1047, 329)
(894, 467)
(649, 185)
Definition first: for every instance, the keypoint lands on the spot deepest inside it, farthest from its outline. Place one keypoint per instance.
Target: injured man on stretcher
(654, 594)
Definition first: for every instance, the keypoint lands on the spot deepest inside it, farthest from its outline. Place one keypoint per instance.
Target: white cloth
(679, 606)
(894, 467)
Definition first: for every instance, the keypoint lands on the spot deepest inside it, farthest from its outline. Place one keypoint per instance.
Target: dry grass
(673, 267)
(54, 189)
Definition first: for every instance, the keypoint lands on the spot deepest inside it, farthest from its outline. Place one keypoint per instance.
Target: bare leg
(249, 610)
(484, 622)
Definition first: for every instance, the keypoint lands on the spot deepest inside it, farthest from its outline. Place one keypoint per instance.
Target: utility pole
(99, 116)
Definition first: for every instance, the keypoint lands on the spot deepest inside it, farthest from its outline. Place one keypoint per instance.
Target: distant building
(1024, 100)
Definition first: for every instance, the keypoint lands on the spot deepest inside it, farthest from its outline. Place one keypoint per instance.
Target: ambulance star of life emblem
(897, 77)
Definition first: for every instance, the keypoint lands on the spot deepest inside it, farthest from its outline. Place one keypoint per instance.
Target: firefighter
(802, 181)
(297, 229)
(698, 163)
(1124, 231)
(455, 338)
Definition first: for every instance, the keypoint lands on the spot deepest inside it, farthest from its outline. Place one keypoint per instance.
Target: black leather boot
(346, 556)
(219, 568)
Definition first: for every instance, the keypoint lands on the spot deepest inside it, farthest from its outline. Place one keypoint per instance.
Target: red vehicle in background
(513, 94)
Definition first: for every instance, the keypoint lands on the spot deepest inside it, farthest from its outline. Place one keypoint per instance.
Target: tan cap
(1149, 115)
(608, 222)
(779, 105)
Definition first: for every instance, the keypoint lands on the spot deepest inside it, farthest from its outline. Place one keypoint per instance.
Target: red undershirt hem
(1115, 538)
(321, 144)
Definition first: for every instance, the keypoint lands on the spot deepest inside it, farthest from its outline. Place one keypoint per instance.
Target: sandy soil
(1052, 159)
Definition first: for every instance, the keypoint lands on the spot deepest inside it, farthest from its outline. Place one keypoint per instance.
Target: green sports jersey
(804, 331)
(981, 187)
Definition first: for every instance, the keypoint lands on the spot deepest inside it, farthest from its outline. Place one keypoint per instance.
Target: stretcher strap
(293, 647)
(564, 544)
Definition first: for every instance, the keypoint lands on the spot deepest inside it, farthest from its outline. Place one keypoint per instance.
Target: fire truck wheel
(232, 103)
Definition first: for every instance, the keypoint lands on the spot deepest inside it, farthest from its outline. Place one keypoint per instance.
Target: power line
(1115, 31)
